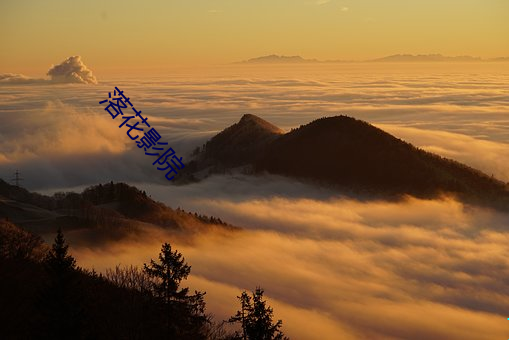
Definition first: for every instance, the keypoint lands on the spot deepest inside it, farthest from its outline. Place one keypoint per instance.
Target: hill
(240, 143)
(115, 208)
(355, 157)
(79, 303)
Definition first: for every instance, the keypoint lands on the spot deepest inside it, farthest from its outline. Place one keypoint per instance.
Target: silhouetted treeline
(52, 298)
(114, 207)
(203, 218)
(45, 295)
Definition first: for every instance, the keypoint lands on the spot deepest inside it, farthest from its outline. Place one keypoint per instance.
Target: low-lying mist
(341, 268)
(56, 134)
(333, 267)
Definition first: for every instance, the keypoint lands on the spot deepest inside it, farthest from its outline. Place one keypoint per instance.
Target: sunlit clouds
(330, 265)
(420, 269)
(335, 262)
(448, 110)
(72, 70)
(59, 130)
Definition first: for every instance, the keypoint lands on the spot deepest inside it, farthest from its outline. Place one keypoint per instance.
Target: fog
(52, 127)
(332, 267)
(340, 268)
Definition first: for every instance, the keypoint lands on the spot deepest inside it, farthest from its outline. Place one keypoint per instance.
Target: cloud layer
(420, 269)
(459, 113)
(337, 268)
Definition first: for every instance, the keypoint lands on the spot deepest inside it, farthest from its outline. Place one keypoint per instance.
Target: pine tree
(255, 317)
(241, 316)
(61, 298)
(58, 260)
(185, 316)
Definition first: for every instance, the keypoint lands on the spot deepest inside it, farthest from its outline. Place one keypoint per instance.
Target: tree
(61, 299)
(129, 277)
(255, 318)
(185, 316)
(58, 260)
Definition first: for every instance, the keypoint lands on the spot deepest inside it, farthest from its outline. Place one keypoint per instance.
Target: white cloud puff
(72, 70)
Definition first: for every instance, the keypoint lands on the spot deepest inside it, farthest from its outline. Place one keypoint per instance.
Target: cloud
(344, 9)
(420, 269)
(190, 108)
(488, 156)
(71, 70)
(60, 143)
(53, 130)
(18, 78)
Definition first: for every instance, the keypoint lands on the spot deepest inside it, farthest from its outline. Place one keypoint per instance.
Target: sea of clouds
(333, 267)
(49, 129)
(343, 269)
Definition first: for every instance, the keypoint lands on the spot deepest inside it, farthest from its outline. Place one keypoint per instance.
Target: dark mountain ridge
(353, 156)
(238, 144)
(115, 208)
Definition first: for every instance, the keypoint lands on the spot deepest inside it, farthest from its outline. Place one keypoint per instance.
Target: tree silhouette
(61, 298)
(58, 260)
(255, 318)
(185, 316)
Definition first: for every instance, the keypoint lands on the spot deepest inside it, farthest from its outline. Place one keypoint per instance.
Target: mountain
(276, 59)
(350, 155)
(425, 58)
(116, 209)
(396, 58)
(500, 59)
(239, 143)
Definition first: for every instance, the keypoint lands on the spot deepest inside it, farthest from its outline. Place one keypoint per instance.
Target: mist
(331, 265)
(51, 127)
(342, 268)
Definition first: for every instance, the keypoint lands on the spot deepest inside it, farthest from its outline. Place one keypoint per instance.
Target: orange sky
(136, 35)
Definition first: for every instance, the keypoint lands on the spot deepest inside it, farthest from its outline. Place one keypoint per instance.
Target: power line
(16, 178)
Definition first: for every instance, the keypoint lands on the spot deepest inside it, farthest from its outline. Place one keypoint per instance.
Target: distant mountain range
(344, 153)
(426, 58)
(279, 59)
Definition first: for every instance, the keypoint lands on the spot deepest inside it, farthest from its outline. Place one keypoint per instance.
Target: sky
(136, 36)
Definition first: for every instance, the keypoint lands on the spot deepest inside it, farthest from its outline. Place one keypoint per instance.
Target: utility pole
(16, 178)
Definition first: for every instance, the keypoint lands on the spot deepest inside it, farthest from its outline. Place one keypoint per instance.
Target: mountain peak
(249, 117)
(240, 143)
(351, 155)
(254, 122)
